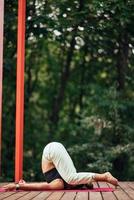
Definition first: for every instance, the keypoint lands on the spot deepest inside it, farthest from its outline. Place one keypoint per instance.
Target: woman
(60, 172)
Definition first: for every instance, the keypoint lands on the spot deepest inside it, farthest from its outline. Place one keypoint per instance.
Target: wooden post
(20, 90)
(1, 69)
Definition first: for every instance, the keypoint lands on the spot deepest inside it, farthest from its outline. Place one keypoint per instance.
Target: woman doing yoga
(60, 172)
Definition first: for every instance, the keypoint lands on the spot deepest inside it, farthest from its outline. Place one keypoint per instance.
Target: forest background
(79, 85)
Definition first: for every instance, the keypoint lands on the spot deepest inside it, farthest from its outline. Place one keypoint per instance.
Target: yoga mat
(73, 190)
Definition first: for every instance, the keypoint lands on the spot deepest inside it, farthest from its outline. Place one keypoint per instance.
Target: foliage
(78, 84)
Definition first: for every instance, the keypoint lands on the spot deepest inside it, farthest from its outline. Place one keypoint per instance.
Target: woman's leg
(56, 153)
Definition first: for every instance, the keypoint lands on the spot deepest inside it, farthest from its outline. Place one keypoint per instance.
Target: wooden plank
(127, 189)
(16, 195)
(131, 184)
(55, 196)
(69, 196)
(95, 195)
(82, 195)
(120, 194)
(6, 194)
(42, 196)
(29, 196)
(106, 195)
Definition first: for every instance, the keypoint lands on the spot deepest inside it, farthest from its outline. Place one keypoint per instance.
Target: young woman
(60, 172)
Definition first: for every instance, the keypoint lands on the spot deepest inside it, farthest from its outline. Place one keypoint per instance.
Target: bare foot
(111, 179)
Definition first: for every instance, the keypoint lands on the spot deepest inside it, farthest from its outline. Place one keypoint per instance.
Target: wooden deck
(125, 191)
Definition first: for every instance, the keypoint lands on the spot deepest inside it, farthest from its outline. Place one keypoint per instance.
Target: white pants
(56, 153)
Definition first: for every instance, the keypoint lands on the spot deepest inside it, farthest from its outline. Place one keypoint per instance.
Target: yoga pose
(60, 172)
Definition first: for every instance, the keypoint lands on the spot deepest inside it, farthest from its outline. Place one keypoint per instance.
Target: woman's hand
(21, 181)
(12, 186)
(9, 187)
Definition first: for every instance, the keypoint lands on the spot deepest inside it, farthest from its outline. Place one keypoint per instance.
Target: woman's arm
(54, 185)
(34, 186)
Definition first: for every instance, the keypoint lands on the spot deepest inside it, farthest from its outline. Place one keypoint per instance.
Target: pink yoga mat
(77, 190)
(90, 190)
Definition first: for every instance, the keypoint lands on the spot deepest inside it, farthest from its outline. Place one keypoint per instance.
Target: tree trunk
(122, 63)
(122, 60)
(58, 100)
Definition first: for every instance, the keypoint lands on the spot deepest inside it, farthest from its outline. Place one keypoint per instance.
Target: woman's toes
(111, 179)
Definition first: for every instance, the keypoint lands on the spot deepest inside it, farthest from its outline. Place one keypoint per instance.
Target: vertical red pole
(1, 69)
(20, 90)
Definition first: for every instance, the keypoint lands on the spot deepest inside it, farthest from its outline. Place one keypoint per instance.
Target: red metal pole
(1, 69)
(20, 90)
